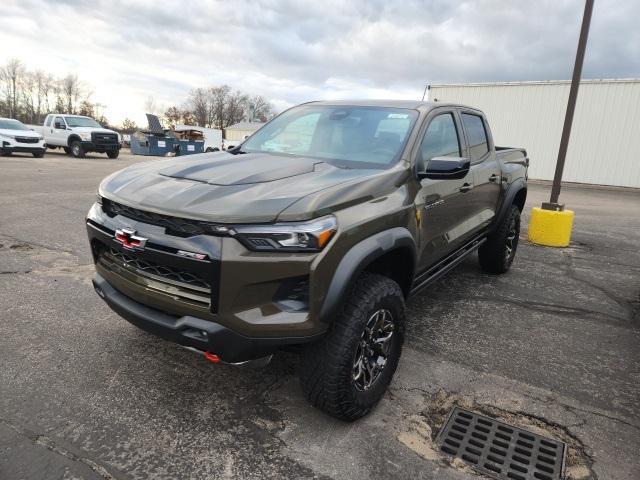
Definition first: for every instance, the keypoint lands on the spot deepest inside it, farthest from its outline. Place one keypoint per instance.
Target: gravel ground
(553, 346)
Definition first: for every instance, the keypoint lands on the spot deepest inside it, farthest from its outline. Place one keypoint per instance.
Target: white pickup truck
(78, 135)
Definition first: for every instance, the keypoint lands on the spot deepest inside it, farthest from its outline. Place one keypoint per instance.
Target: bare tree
(235, 109)
(259, 109)
(70, 90)
(129, 126)
(11, 75)
(43, 84)
(198, 104)
(87, 109)
(151, 106)
(172, 116)
(218, 98)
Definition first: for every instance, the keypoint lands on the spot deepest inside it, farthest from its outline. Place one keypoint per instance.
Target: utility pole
(571, 105)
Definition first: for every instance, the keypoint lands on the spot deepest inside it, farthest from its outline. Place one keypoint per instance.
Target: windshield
(349, 136)
(7, 124)
(81, 122)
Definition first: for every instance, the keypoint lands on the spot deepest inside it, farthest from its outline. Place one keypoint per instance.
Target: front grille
(501, 450)
(175, 282)
(104, 138)
(181, 227)
(27, 140)
(169, 273)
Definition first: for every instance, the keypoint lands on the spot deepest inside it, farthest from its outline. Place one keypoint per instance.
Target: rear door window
(476, 136)
(48, 121)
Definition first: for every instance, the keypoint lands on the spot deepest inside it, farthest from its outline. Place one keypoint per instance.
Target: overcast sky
(294, 51)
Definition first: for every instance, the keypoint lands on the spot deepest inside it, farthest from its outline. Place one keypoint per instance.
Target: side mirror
(59, 126)
(446, 168)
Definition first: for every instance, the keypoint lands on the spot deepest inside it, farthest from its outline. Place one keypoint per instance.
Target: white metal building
(604, 147)
(240, 131)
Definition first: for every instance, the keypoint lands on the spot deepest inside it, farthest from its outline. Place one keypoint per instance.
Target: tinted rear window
(476, 135)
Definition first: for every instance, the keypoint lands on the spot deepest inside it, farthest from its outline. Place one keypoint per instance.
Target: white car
(78, 135)
(17, 137)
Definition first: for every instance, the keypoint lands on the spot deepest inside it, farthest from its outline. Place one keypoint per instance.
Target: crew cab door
(58, 132)
(441, 204)
(487, 179)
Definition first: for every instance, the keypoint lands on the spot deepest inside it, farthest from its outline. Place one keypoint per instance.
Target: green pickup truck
(309, 236)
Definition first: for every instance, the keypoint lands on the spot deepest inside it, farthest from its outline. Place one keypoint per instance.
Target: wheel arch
(391, 253)
(72, 138)
(515, 195)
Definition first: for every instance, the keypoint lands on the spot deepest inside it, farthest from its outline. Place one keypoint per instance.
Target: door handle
(493, 178)
(466, 187)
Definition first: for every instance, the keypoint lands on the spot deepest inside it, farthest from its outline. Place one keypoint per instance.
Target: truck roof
(67, 115)
(412, 104)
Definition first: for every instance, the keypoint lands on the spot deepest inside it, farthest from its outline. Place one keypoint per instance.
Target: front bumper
(8, 145)
(100, 148)
(189, 331)
(237, 302)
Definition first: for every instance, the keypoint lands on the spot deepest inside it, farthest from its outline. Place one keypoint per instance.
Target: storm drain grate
(501, 450)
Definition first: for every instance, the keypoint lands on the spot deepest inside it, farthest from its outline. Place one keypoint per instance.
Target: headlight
(295, 236)
(7, 135)
(85, 136)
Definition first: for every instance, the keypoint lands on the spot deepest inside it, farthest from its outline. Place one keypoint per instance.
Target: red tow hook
(212, 357)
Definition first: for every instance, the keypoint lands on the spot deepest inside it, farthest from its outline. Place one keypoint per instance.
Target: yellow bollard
(551, 228)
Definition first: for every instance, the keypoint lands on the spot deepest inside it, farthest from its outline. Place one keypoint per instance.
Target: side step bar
(446, 265)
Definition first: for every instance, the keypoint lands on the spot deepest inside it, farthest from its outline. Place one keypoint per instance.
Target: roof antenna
(427, 87)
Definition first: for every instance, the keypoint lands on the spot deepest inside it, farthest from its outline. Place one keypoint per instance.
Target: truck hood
(225, 188)
(91, 129)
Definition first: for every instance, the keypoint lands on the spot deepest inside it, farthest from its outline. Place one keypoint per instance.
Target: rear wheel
(76, 149)
(346, 373)
(113, 153)
(497, 253)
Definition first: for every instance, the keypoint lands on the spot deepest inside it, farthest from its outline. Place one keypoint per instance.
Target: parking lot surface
(553, 346)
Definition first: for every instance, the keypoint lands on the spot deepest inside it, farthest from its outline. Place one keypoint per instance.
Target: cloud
(292, 51)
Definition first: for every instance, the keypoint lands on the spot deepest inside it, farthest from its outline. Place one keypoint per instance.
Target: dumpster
(153, 141)
(188, 142)
(148, 143)
(189, 147)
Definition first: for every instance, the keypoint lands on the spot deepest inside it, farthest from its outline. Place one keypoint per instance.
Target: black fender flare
(73, 138)
(354, 262)
(518, 185)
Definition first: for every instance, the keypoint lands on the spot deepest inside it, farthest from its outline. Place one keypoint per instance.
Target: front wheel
(497, 253)
(113, 153)
(346, 373)
(39, 154)
(67, 150)
(76, 149)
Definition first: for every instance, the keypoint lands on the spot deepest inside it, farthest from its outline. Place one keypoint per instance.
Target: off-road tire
(495, 255)
(39, 154)
(67, 150)
(113, 153)
(76, 149)
(327, 366)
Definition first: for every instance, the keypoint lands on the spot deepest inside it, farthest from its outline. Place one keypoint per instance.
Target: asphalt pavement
(553, 346)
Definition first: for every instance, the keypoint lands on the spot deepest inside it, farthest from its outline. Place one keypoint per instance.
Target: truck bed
(509, 153)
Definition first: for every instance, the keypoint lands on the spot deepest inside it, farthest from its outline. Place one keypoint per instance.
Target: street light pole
(571, 105)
